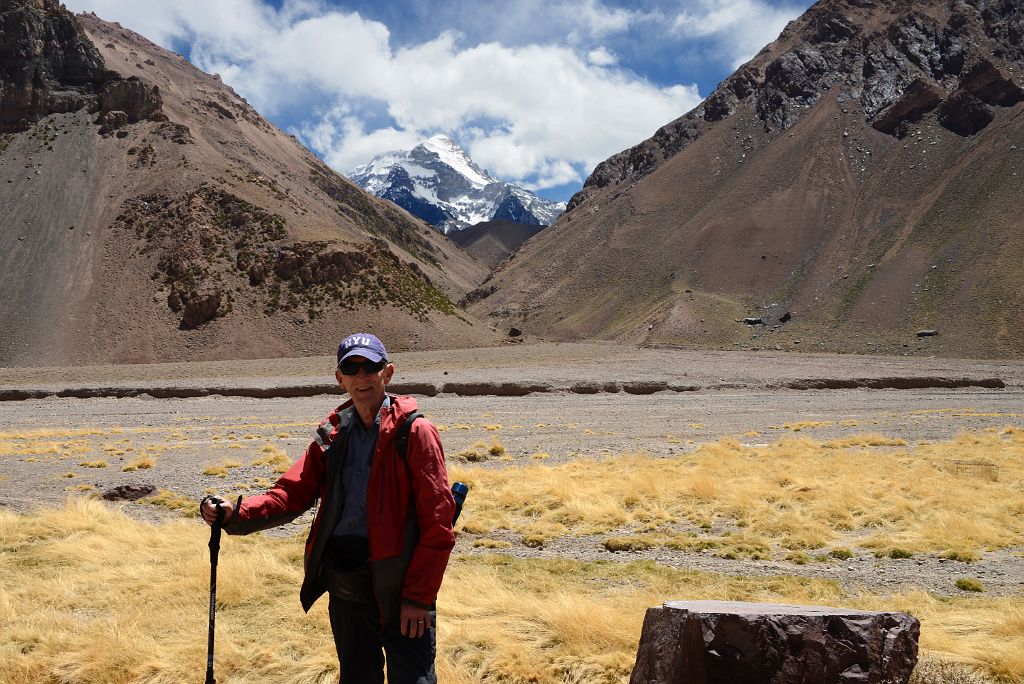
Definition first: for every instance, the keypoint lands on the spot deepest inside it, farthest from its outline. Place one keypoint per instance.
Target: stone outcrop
(965, 114)
(202, 305)
(721, 642)
(47, 65)
(133, 96)
(920, 97)
(208, 242)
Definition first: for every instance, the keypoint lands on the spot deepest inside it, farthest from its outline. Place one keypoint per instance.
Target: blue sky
(537, 91)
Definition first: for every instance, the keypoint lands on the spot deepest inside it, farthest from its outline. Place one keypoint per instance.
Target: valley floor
(54, 446)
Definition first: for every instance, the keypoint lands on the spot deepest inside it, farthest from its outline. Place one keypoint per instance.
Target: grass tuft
(504, 619)
(969, 584)
(141, 463)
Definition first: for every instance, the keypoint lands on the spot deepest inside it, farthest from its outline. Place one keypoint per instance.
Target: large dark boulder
(129, 492)
(722, 642)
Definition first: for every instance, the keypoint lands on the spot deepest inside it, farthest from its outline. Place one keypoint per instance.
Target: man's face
(366, 389)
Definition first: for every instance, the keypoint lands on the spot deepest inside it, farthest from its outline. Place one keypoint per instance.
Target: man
(380, 541)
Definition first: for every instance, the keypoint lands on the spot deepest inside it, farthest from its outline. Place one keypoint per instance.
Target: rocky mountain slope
(438, 182)
(493, 241)
(150, 214)
(854, 187)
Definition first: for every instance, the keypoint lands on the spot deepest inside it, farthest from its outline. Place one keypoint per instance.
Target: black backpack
(402, 436)
(459, 490)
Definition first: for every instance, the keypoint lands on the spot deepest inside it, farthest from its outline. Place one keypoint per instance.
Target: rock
(964, 114)
(129, 492)
(45, 59)
(514, 332)
(920, 97)
(991, 85)
(698, 642)
(202, 305)
(111, 121)
(786, 317)
(927, 333)
(133, 96)
(754, 321)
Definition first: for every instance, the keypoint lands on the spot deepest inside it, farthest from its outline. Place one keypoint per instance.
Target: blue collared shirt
(355, 474)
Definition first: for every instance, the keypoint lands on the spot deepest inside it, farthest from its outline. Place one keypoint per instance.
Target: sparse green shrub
(534, 541)
(969, 584)
(627, 544)
(962, 556)
(798, 557)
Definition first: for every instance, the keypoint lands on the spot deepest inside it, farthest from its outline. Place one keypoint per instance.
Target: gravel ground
(739, 393)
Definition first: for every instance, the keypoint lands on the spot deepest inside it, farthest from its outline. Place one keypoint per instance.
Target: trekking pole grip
(215, 534)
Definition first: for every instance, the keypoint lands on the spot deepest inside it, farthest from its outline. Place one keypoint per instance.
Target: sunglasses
(352, 367)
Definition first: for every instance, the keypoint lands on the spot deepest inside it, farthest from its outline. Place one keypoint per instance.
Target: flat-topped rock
(728, 642)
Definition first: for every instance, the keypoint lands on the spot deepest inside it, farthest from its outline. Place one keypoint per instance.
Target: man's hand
(414, 622)
(208, 509)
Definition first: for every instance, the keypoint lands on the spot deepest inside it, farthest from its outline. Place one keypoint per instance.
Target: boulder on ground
(723, 642)
(129, 492)
(202, 306)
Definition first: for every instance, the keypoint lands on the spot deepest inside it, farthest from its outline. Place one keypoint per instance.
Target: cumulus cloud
(739, 27)
(540, 114)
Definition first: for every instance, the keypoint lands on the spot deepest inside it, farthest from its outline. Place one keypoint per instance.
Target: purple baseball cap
(362, 344)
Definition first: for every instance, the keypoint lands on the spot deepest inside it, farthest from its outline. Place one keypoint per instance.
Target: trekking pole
(214, 551)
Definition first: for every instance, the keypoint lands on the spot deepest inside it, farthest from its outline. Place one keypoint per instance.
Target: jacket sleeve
(434, 510)
(292, 495)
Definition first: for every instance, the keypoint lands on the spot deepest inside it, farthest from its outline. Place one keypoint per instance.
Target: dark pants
(362, 645)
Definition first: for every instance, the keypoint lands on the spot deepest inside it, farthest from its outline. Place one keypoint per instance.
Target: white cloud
(600, 56)
(598, 19)
(740, 27)
(541, 114)
(345, 143)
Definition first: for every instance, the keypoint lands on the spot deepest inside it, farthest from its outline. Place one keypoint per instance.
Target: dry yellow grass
(94, 464)
(274, 457)
(174, 501)
(40, 443)
(141, 463)
(93, 596)
(793, 495)
(221, 470)
(806, 425)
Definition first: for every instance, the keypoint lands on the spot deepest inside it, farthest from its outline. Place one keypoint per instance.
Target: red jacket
(409, 507)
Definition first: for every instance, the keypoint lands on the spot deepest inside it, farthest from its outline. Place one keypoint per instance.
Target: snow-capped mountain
(437, 181)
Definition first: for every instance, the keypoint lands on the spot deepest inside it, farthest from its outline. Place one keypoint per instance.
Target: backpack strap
(402, 436)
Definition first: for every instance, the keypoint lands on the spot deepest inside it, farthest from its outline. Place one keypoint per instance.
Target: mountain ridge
(155, 216)
(437, 181)
(850, 187)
